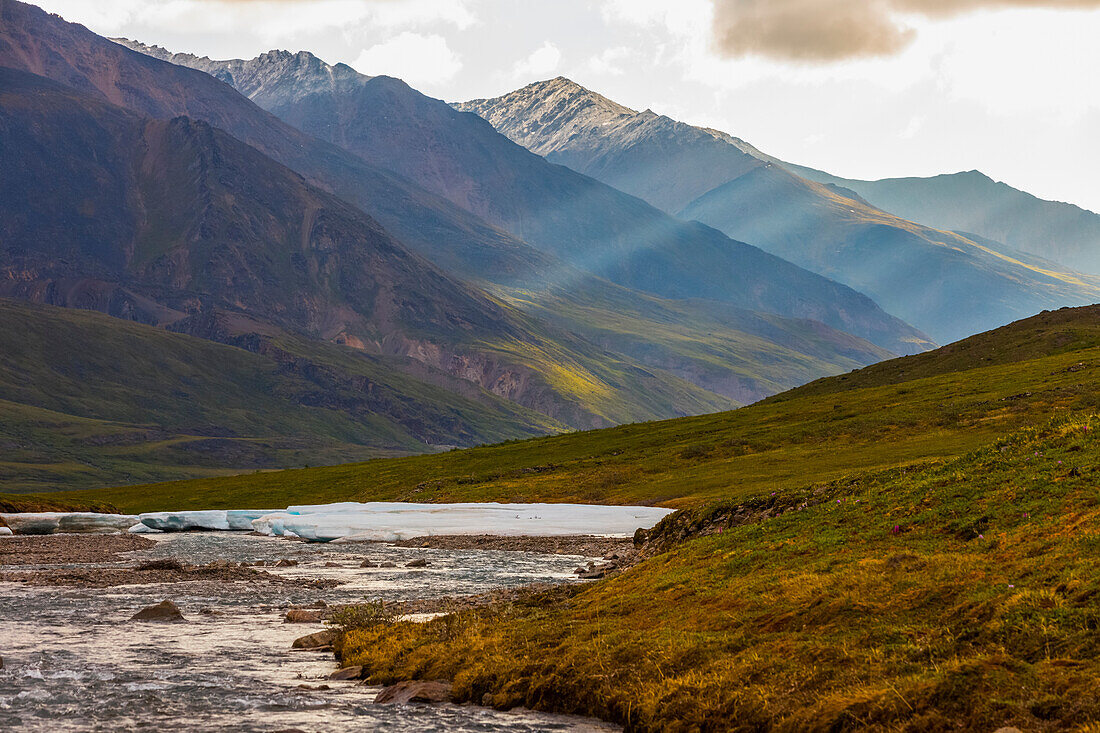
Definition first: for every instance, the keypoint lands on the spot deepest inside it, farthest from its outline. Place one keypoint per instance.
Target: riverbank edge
(673, 530)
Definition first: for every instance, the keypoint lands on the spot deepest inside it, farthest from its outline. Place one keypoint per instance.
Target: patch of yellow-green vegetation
(739, 353)
(603, 385)
(960, 595)
(780, 443)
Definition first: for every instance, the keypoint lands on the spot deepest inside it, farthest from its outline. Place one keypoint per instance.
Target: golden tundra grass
(959, 595)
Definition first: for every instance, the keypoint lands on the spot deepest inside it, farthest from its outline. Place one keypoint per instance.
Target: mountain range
(159, 194)
(573, 218)
(211, 269)
(947, 284)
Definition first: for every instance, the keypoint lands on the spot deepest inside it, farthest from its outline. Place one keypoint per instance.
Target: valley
(328, 402)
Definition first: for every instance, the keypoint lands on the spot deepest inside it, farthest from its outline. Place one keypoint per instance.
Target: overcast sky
(860, 88)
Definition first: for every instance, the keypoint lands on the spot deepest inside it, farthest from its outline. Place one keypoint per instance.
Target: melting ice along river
(73, 661)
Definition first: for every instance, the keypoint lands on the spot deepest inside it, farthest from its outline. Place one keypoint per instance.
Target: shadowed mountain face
(974, 202)
(946, 284)
(173, 222)
(573, 218)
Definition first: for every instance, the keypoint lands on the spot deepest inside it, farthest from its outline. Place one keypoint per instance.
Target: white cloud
(275, 21)
(420, 60)
(610, 61)
(682, 18)
(543, 61)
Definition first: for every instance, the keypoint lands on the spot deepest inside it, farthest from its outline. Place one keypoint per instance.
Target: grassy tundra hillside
(962, 595)
(930, 406)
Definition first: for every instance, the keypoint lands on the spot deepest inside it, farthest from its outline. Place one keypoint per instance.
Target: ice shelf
(391, 521)
(353, 521)
(76, 522)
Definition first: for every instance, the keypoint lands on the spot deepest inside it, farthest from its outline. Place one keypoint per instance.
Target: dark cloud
(832, 30)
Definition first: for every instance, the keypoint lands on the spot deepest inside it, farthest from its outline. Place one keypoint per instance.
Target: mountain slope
(949, 284)
(588, 225)
(946, 284)
(670, 163)
(88, 400)
(744, 355)
(936, 405)
(974, 202)
(176, 223)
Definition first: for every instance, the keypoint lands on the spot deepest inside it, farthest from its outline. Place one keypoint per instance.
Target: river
(74, 662)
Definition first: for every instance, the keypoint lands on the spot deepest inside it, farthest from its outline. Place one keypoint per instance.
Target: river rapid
(74, 662)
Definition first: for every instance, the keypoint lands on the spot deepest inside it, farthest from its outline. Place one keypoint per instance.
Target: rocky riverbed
(74, 660)
(586, 545)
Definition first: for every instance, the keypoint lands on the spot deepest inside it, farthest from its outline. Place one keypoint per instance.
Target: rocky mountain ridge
(949, 285)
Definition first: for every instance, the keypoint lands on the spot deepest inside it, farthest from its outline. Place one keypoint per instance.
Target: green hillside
(962, 595)
(88, 400)
(910, 412)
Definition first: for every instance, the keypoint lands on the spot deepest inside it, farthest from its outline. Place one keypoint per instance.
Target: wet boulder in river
(302, 616)
(318, 641)
(163, 611)
(415, 691)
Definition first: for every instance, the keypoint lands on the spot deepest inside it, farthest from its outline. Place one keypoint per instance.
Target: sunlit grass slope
(958, 595)
(909, 410)
(741, 354)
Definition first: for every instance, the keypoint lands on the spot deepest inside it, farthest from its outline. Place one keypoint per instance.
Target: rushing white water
(73, 661)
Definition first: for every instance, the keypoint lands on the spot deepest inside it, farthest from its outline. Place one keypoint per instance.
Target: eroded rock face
(317, 641)
(415, 691)
(165, 611)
